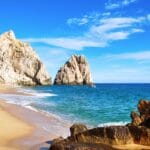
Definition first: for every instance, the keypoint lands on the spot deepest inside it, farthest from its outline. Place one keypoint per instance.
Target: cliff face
(19, 64)
(75, 71)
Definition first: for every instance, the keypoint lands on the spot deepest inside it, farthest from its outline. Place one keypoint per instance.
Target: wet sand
(34, 130)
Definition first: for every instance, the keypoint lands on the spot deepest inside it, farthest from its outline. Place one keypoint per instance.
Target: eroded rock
(136, 120)
(143, 118)
(75, 71)
(19, 63)
(77, 128)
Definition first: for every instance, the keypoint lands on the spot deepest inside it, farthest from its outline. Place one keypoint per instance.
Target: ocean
(101, 105)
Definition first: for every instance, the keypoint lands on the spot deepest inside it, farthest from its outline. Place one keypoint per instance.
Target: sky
(114, 35)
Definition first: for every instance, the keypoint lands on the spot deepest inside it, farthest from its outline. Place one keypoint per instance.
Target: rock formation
(75, 71)
(143, 118)
(19, 64)
(104, 138)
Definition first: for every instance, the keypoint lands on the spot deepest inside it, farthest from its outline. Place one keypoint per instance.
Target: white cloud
(148, 17)
(143, 55)
(106, 14)
(122, 75)
(88, 18)
(68, 43)
(111, 29)
(135, 30)
(99, 34)
(127, 2)
(110, 5)
(78, 21)
(115, 23)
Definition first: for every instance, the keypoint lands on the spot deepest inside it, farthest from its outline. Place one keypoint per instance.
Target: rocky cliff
(75, 71)
(19, 64)
(106, 138)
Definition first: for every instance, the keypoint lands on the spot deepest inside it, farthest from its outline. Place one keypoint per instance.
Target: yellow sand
(132, 147)
(11, 129)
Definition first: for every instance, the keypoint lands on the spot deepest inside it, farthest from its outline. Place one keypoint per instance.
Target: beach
(11, 129)
(25, 129)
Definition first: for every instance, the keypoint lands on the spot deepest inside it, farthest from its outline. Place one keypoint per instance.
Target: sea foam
(112, 124)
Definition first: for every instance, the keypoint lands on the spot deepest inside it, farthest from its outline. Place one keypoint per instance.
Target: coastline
(42, 128)
(36, 129)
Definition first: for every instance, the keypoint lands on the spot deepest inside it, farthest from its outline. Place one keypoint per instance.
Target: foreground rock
(103, 138)
(19, 64)
(75, 71)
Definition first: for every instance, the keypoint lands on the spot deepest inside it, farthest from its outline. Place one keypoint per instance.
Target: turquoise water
(103, 104)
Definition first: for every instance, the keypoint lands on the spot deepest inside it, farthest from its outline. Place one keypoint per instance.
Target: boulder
(143, 118)
(77, 128)
(75, 71)
(113, 135)
(19, 63)
(95, 139)
(144, 110)
(140, 134)
(136, 120)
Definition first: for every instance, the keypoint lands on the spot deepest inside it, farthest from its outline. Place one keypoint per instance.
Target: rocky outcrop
(75, 71)
(103, 138)
(143, 118)
(77, 128)
(140, 125)
(19, 64)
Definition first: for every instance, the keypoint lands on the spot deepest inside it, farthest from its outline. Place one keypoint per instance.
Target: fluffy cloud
(110, 5)
(143, 55)
(99, 34)
(68, 43)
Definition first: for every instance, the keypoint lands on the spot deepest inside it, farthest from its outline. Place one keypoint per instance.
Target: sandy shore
(11, 129)
(25, 129)
(131, 147)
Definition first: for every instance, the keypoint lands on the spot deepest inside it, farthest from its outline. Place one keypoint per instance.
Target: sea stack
(75, 71)
(19, 63)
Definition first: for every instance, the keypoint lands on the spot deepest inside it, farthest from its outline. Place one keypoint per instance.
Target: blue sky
(114, 35)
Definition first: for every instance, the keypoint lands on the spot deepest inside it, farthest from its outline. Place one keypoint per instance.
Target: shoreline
(45, 128)
(37, 129)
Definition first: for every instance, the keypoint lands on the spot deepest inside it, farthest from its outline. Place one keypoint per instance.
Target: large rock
(136, 120)
(19, 63)
(140, 134)
(143, 118)
(77, 128)
(95, 139)
(75, 71)
(113, 135)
